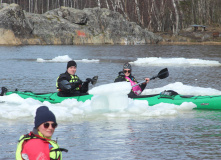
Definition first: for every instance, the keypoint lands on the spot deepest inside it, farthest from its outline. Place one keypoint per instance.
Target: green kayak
(50, 97)
(171, 97)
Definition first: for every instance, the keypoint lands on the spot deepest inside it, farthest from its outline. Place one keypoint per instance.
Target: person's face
(127, 72)
(47, 128)
(72, 70)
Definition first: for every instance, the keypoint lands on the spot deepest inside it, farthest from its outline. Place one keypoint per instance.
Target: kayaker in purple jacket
(126, 75)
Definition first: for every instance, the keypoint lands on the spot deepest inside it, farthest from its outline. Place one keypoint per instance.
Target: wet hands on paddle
(93, 80)
(147, 80)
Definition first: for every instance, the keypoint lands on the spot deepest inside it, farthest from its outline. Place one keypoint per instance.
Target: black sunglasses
(125, 71)
(54, 125)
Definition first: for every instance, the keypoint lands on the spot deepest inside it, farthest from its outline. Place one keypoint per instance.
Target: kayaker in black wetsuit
(69, 84)
(126, 75)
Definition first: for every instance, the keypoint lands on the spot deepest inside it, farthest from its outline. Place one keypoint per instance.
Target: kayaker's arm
(144, 84)
(75, 85)
(64, 85)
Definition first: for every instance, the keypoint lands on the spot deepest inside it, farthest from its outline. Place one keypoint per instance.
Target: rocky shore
(210, 36)
(68, 26)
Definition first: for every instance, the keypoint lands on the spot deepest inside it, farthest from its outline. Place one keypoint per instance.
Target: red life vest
(35, 147)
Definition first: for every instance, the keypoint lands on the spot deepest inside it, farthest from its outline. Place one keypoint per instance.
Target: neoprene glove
(88, 80)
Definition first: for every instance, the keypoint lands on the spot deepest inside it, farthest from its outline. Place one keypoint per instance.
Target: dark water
(189, 135)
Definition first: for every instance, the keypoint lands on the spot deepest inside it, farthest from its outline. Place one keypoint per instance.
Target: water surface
(191, 134)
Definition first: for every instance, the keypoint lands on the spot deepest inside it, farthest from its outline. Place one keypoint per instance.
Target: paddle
(66, 85)
(162, 74)
(94, 80)
(3, 90)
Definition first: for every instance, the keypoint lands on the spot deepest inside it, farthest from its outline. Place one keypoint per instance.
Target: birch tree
(138, 11)
(177, 18)
(48, 5)
(29, 6)
(107, 5)
(36, 6)
(99, 3)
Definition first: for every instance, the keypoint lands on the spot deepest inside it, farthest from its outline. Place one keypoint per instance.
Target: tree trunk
(107, 5)
(48, 5)
(98, 3)
(177, 18)
(36, 6)
(138, 11)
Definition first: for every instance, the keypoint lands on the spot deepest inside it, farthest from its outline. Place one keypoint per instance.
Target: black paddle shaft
(162, 74)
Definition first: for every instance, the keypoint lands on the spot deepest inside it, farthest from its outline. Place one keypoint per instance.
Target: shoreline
(160, 43)
(190, 43)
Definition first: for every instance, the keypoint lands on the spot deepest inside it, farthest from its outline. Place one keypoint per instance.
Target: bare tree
(107, 5)
(177, 18)
(36, 6)
(99, 3)
(48, 4)
(156, 15)
(138, 11)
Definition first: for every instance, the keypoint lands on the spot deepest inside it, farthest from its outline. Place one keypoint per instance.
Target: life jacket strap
(32, 136)
(59, 149)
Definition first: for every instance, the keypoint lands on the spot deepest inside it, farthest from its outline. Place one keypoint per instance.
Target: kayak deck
(50, 97)
(202, 102)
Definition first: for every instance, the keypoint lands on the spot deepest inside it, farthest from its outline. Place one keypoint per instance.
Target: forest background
(158, 16)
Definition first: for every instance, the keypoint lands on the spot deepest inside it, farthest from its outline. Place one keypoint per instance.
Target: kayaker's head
(127, 69)
(71, 67)
(45, 121)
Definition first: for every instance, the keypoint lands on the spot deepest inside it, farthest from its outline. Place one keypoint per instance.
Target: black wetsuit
(77, 86)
